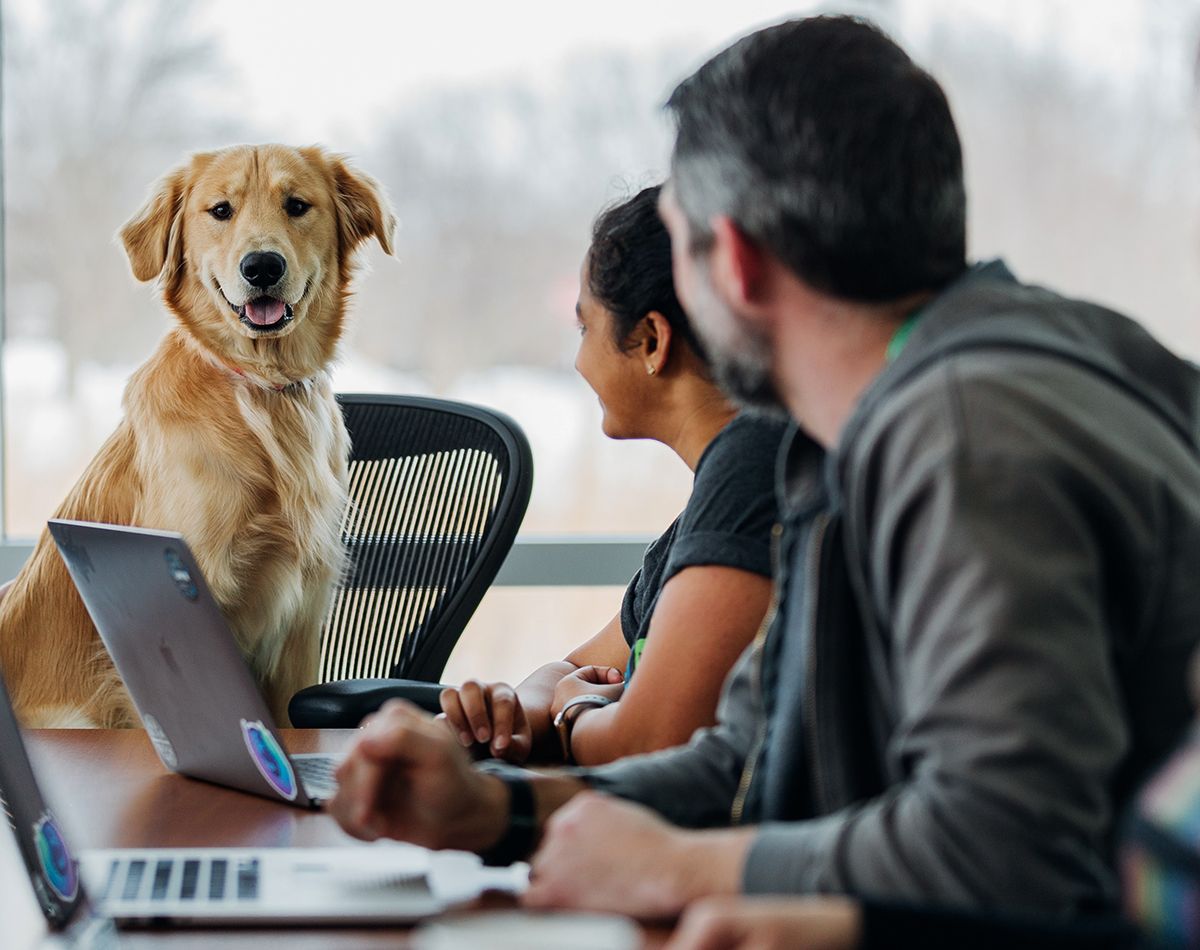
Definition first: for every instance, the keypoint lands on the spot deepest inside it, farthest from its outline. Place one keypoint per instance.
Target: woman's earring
(650, 370)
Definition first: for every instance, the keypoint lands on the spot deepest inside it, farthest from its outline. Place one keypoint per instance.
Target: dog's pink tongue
(265, 311)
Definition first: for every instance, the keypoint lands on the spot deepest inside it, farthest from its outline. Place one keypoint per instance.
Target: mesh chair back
(437, 492)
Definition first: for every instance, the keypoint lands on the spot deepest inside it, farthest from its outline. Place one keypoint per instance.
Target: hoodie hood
(988, 308)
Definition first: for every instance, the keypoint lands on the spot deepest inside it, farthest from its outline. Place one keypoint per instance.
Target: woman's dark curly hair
(629, 268)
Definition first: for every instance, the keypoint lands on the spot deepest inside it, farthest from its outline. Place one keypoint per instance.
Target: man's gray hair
(822, 141)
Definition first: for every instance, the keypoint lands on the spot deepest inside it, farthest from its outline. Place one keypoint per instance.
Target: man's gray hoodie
(987, 599)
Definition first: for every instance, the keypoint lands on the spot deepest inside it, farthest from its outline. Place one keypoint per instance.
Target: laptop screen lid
(177, 656)
(52, 868)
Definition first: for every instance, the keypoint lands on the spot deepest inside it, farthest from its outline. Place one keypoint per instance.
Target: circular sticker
(58, 867)
(162, 745)
(269, 758)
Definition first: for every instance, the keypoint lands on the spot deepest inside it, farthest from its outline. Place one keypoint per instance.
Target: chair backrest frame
(428, 645)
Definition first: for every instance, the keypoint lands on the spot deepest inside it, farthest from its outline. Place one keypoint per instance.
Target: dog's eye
(222, 211)
(295, 207)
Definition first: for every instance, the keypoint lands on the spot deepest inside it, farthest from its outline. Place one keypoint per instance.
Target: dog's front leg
(297, 668)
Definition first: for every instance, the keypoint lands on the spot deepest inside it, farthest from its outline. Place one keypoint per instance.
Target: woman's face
(615, 375)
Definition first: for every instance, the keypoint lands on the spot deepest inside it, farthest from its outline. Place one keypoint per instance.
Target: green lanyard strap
(900, 337)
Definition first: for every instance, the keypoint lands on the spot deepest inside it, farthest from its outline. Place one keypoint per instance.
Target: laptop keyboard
(316, 774)
(191, 877)
(170, 879)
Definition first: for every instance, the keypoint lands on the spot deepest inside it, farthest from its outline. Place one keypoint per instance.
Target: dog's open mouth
(264, 313)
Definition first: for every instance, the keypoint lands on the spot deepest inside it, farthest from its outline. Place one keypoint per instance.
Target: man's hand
(489, 713)
(596, 680)
(599, 853)
(405, 777)
(775, 923)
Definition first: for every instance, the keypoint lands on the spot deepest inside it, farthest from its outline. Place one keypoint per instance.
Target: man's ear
(363, 210)
(153, 237)
(738, 265)
(654, 341)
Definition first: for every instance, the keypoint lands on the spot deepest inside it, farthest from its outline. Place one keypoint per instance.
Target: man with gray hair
(986, 594)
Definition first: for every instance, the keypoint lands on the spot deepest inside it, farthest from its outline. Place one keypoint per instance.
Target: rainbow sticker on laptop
(58, 867)
(269, 759)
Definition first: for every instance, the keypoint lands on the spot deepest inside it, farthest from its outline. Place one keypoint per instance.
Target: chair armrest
(343, 704)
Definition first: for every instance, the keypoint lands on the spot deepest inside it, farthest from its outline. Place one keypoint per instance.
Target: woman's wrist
(536, 695)
(558, 699)
(541, 723)
(568, 717)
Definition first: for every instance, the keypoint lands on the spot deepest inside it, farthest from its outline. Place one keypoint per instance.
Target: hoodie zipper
(760, 642)
(812, 567)
(812, 570)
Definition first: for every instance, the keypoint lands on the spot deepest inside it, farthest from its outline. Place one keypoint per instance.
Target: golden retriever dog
(231, 434)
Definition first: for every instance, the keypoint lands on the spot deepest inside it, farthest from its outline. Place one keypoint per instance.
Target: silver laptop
(52, 870)
(179, 660)
(378, 884)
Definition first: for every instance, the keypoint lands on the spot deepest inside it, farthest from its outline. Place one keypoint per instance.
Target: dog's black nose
(263, 268)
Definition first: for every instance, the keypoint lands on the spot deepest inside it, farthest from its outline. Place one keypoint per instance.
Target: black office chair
(437, 492)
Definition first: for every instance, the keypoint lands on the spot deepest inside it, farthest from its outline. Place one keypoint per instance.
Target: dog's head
(253, 247)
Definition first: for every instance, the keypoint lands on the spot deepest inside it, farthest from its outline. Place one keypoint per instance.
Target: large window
(499, 130)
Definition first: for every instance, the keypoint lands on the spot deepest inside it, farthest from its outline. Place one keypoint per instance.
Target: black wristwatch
(516, 844)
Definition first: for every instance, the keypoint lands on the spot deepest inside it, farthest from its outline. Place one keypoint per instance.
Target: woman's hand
(607, 681)
(489, 713)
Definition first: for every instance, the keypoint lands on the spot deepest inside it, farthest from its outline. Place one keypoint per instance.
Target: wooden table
(109, 790)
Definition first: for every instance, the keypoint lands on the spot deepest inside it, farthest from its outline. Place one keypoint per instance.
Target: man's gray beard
(747, 381)
(741, 362)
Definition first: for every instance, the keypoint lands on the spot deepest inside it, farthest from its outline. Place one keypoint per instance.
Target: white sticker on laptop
(269, 759)
(162, 745)
(180, 575)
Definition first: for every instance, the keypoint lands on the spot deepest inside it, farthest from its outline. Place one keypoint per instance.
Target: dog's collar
(264, 383)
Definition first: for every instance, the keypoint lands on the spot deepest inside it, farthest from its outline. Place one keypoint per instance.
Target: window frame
(567, 560)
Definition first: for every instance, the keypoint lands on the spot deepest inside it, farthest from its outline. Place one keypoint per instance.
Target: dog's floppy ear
(362, 208)
(154, 235)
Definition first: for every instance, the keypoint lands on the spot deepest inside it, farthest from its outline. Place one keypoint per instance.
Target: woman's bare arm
(705, 617)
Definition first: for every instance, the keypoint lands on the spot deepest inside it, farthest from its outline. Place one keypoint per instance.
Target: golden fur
(231, 434)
